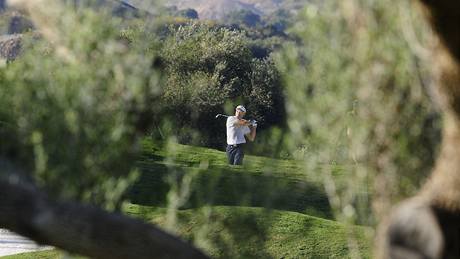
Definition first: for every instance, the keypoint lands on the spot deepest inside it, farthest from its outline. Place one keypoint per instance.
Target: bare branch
(83, 229)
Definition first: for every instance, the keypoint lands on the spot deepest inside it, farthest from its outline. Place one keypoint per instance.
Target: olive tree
(72, 108)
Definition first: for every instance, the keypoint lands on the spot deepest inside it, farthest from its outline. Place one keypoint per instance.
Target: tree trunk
(81, 229)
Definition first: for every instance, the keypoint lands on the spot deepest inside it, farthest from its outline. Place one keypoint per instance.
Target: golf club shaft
(222, 115)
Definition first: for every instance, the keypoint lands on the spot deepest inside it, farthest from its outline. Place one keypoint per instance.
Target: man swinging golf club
(237, 129)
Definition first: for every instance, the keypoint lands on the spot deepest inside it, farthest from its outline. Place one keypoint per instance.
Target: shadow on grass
(225, 186)
(244, 232)
(239, 236)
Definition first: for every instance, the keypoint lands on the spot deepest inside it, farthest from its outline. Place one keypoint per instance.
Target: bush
(243, 16)
(358, 99)
(188, 13)
(71, 107)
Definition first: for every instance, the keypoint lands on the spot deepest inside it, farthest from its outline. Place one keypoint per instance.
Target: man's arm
(252, 134)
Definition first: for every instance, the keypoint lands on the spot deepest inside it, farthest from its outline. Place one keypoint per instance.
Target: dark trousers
(235, 154)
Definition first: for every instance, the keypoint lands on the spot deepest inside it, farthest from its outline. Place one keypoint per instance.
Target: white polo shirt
(235, 133)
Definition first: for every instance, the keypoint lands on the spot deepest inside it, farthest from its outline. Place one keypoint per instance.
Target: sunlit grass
(242, 232)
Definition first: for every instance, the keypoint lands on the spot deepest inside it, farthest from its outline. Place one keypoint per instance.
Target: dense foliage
(71, 107)
(210, 70)
(243, 16)
(357, 87)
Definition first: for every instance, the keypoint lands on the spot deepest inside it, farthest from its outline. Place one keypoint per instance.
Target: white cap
(241, 108)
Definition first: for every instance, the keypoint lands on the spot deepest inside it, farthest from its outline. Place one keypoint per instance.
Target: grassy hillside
(242, 232)
(263, 209)
(261, 182)
(262, 201)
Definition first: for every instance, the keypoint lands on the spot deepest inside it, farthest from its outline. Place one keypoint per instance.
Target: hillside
(261, 182)
(207, 9)
(217, 9)
(244, 232)
(267, 208)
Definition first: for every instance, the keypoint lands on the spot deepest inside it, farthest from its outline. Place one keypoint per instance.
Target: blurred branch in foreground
(82, 229)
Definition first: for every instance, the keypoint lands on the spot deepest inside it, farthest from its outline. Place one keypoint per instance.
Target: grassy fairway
(266, 209)
(262, 182)
(242, 232)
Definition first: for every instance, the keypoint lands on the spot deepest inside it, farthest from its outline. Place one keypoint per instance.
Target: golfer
(237, 129)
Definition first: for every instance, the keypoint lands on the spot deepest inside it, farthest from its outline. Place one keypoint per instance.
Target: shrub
(243, 16)
(358, 99)
(71, 107)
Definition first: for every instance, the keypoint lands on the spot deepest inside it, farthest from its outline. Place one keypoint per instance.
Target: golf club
(253, 122)
(221, 115)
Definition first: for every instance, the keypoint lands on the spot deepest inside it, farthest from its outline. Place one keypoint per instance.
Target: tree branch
(81, 229)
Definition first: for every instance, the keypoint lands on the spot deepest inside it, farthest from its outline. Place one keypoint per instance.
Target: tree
(80, 228)
(208, 67)
(188, 13)
(10, 47)
(358, 101)
(426, 225)
(19, 24)
(242, 16)
(71, 112)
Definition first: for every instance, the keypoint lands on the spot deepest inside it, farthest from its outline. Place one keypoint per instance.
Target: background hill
(217, 9)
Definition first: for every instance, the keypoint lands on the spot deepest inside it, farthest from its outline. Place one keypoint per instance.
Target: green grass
(242, 232)
(48, 254)
(261, 182)
(267, 208)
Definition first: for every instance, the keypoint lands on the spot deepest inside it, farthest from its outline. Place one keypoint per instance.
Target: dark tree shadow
(224, 186)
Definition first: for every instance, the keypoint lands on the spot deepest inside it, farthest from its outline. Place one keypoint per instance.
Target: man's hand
(242, 122)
